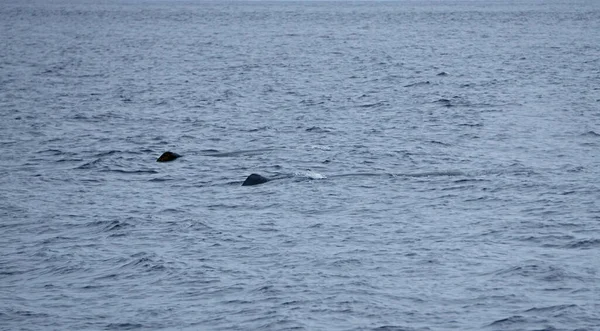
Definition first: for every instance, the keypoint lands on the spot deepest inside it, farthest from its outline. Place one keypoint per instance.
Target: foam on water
(309, 174)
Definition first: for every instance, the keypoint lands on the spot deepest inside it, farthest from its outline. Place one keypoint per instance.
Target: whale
(255, 179)
(167, 157)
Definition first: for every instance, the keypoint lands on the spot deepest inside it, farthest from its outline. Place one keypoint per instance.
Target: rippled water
(439, 165)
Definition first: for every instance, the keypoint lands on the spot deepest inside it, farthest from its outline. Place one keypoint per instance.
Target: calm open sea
(439, 161)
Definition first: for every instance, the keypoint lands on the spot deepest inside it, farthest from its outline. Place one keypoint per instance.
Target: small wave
(211, 151)
(133, 172)
(584, 244)
(239, 153)
(145, 261)
(318, 129)
(471, 125)
(266, 289)
(371, 105)
(110, 226)
(89, 165)
(106, 153)
(27, 313)
(591, 134)
(444, 102)
(310, 102)
(69, 160)
(434, 174)
(417, 84)
(52, 151)
(551, 309)
(505, 322)
(546, 273)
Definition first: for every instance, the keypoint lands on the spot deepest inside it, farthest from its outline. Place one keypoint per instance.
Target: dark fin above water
(167, 156)
(254, 179)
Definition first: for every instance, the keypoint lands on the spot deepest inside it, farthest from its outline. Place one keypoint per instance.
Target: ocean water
(437, 165)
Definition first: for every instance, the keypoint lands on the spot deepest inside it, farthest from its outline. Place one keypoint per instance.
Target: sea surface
(436, 165)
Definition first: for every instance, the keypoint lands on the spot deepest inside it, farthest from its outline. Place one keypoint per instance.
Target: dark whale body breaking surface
(167, 156)
(254, 179)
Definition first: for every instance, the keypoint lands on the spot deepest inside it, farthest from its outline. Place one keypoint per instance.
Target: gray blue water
(440, 165)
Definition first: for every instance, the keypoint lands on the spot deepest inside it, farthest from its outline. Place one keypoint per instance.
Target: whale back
(167, 156)
(254, 179)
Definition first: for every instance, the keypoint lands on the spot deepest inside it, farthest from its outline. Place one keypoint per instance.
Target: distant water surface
(439, 165)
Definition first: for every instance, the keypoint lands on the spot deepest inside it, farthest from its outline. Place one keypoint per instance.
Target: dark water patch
(399, 328)
(259, 129)
(470, 180)
(171, 211)
(435, 142)
(163, 179)
(444, 102)
(457, 101)
(26, 313)
(567, 192)
(575, 169)
(472, 125)
(5, 271)
(69, 160)
(347, 263)
(238, 302)
(8, 143)
(126, 326)
(130, 172)
(267, 289)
